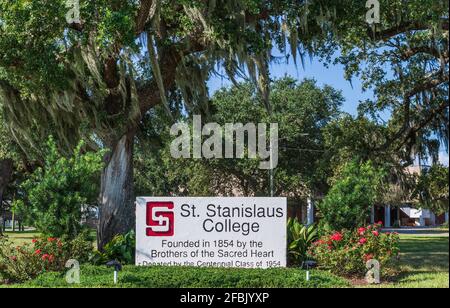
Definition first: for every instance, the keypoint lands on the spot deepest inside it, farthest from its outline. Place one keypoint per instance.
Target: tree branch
(402, 28)
(427, 85)
(421, 125)
(143, 15)
(412, 51)
(149, 95)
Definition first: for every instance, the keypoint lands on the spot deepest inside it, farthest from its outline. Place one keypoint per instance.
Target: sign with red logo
(211, 232)
(160, 219)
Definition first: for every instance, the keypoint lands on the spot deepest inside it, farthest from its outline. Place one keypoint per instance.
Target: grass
(26, 237)
(425, 262)
(183, 277)
(21, 238)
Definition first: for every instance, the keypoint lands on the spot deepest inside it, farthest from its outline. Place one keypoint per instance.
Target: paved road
(420, 231)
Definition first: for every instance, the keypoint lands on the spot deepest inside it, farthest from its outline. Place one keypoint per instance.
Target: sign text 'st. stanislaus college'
(211, 232)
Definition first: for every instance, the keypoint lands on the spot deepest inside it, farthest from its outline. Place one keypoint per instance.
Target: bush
(56, 195)
(186, 277)
(300, 238)
(121, 248)
(346, 253)
(22, 263)
(354, 193)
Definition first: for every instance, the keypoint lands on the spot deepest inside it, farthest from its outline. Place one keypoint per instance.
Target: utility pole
(271, 175)
(272, 171)
(271, 167)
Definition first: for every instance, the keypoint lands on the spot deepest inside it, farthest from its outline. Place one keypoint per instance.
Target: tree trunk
(117, 210)
(6, 172)
(1, 210)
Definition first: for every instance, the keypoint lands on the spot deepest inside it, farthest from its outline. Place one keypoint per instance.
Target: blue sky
(332, 75)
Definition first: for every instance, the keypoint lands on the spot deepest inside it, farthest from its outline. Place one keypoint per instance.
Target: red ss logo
(160, 219)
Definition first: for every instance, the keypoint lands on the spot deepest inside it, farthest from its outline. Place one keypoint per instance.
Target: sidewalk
(420, 231)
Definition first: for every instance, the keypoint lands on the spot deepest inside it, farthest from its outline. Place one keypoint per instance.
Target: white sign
(211, 232)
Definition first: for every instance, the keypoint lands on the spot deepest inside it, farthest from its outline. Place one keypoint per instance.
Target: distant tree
(432, 189)
(404, 60)
(356, 139)
(16, 162)
(302, 110)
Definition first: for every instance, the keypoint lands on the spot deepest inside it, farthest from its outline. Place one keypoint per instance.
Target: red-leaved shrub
(22, 263)
(346, 252)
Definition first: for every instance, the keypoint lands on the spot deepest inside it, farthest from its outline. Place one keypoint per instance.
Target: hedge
(183, 277)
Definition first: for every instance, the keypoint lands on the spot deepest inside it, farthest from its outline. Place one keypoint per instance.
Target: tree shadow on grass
(423, 257)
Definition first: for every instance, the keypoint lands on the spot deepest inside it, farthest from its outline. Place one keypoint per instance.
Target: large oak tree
(97, 78)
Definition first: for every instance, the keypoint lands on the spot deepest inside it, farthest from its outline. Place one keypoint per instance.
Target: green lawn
(425, 262)
(20, 238)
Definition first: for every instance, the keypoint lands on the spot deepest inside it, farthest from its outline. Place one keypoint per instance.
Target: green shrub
(346, 253)
(22, 263)
(121, 248)
(184, 277)
(80, 248)
(348, 203)
(56, 195)
(300, 239)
